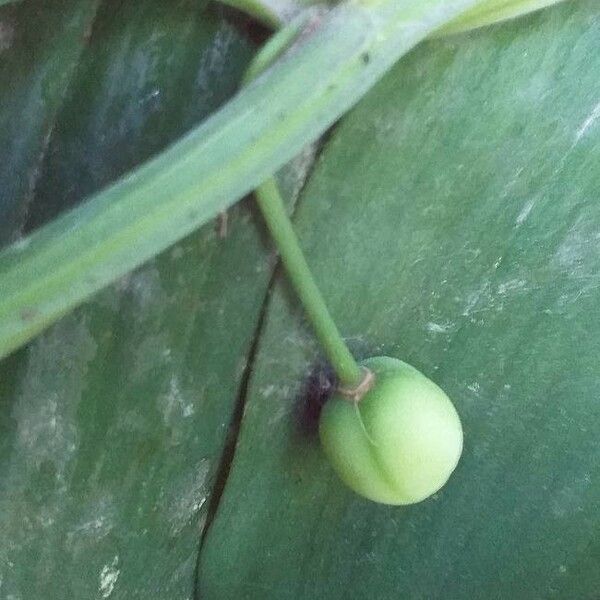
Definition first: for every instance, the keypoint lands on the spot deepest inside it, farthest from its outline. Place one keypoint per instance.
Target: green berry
(400, 442)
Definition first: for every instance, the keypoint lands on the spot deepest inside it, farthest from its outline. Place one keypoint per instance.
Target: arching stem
(272, 207)
(349, 373)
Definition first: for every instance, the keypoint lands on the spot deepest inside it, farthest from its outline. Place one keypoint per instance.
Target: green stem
(62, 264)
(280, 226)
(273, 210)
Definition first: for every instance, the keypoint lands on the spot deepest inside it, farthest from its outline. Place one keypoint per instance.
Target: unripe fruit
(400, 442)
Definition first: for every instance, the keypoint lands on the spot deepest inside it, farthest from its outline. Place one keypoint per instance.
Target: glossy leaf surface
(112, 423)
(40, 46)
(453, 222)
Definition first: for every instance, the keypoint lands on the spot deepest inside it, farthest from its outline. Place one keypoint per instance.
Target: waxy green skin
(400, 443)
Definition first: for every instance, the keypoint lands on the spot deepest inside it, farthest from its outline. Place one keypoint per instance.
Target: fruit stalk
(272, 207)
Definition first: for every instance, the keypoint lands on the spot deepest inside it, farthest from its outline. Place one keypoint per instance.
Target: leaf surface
(453, 222)
(112, 423)
(40, 45)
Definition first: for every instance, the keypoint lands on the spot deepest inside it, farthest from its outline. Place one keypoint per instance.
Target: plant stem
(60, 265)
(274, 212)
(280, 226)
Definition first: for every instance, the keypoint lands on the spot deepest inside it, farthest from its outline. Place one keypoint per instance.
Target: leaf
(261, 129)
(493, 11)
(141, 86)
(452, 221)
(40, 44)
(112, 422)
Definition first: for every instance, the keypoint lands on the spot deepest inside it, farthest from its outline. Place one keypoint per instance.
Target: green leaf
(261, 129)
(40, 44)
(146, 80)
(452, 222)
(493, 11)
(112, 423)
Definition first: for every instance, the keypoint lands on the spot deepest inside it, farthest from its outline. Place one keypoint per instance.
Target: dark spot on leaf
(28, 314)
(366, 58)
(318, 388)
